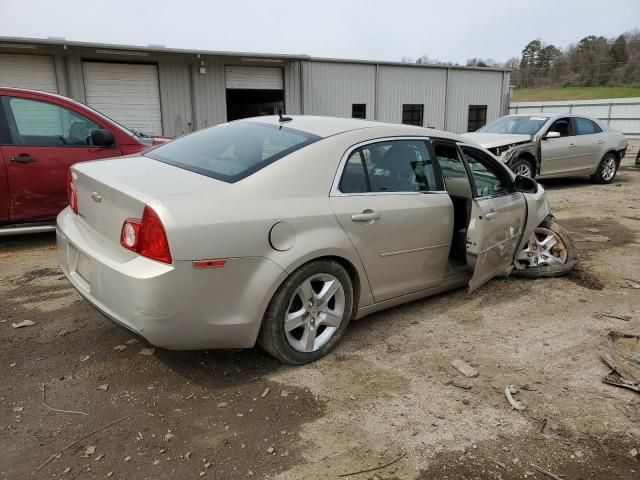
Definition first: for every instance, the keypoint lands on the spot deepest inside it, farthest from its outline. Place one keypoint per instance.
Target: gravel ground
(382, 397)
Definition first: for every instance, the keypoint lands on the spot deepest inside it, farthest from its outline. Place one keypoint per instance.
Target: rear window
(232, 151)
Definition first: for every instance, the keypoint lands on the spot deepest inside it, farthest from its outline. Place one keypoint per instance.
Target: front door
(392, 206)
(45, 139)
(590, 141)
(498, 216)
(559, 155)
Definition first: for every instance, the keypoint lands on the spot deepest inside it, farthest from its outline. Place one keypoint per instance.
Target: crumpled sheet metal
(622, 355)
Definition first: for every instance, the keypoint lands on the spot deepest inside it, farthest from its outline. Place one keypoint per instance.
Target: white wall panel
(332, 88)
(400, 85)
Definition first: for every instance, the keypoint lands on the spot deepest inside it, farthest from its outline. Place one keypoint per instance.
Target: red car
(41, 136)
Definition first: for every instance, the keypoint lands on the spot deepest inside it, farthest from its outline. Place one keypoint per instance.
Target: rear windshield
(515, 124)
(232, 151)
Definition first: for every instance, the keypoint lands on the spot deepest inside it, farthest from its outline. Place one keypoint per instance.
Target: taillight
(72, 192)
(146, 237)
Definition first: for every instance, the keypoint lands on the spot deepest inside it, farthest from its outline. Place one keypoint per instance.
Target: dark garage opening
(243, 103)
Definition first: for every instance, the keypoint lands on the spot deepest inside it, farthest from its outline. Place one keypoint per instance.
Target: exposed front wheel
(607, 169)
(309, 313)
(522, 166)
(549, 252)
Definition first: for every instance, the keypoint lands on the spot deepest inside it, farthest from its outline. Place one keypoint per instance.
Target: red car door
(44, 139)
(4, 190)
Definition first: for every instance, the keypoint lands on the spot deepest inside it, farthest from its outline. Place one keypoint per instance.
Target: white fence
(620, 113)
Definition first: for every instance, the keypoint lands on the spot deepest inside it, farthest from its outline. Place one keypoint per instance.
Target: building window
(412, 114)
(477, 117)
(359, 110)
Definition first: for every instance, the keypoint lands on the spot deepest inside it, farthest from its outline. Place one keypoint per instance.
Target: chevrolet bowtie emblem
(96, 197)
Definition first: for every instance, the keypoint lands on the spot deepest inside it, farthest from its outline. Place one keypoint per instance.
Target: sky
(448, 30)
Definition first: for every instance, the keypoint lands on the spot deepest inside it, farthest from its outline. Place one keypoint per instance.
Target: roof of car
(328, 126)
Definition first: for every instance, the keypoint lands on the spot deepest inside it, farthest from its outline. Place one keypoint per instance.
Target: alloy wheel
(544, 248)
(608, 168)
(524, 170)
(316, 310)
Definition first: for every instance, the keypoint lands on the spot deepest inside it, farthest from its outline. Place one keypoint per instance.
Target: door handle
(23, 159)
(491, 215)
(600, 142)
(572, 145)
(365, 216)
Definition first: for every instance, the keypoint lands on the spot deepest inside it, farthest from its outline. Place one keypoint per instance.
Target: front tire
(549, 252)
(607, 169)
(309, 313)
(522, 166)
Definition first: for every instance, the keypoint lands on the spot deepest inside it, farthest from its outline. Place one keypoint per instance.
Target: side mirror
(526, 184)
(101, 137)
(552, 135)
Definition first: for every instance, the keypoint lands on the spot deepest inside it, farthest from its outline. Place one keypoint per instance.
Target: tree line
(593, 61)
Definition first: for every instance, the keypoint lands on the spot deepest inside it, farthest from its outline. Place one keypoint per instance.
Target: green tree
(618, 51)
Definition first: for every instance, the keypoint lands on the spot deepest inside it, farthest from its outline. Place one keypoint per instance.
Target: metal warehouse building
(159, 90)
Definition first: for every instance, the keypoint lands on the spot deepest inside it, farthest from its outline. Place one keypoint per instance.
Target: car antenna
(283, 118)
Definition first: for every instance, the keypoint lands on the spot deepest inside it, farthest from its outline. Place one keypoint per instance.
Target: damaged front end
(530, 151)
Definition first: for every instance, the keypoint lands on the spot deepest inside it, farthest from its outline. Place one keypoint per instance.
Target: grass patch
(572, 93)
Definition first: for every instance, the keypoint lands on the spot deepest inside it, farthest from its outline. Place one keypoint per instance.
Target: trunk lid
(111, 191)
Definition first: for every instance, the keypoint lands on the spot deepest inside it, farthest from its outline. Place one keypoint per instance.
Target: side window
(489, 179)
(359, 110)
(450, 162)
(354, 176)
(412, 114)
(392, 166)
(562, 126)
(399, 166)
(477, 117)
(41, 124)
(584, 126)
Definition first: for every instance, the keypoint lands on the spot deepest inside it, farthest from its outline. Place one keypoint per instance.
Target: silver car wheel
(315, 311)
(608, 168)
(544, 248)
(524, 170)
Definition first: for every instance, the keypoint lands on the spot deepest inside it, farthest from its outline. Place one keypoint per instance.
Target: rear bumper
(172, 306)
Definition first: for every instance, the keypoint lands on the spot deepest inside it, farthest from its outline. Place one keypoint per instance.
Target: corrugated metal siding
(472, 87)
(28, 71)
(622, 114)
(257, 78)
(209, 95)
(292, 94)
(126, 92)
(411, 85)
(332, 88)
(175, 97)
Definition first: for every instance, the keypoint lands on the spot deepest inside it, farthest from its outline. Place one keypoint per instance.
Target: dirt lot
(383, 396)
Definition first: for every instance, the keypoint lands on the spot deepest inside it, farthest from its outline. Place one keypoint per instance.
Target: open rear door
(498, 216)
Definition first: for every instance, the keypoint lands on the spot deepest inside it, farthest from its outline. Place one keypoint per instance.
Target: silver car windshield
(232, 151)
(519, 125)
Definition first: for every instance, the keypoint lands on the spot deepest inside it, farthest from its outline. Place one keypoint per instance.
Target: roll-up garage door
(127, 92)
(36, 72)
(254, 78)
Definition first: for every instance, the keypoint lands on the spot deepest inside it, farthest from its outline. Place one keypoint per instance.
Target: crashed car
(554, 145)
(281, 230)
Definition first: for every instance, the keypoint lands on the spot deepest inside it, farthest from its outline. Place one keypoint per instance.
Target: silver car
(544, 145)
(281, 230)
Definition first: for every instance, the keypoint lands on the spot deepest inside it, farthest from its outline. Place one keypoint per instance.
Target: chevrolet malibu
(280, 230)
(554, 145)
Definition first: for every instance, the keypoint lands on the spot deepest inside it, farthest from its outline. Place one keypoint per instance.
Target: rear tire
(564, 251)
(301, 324)
(522, 166)
(607, 169)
